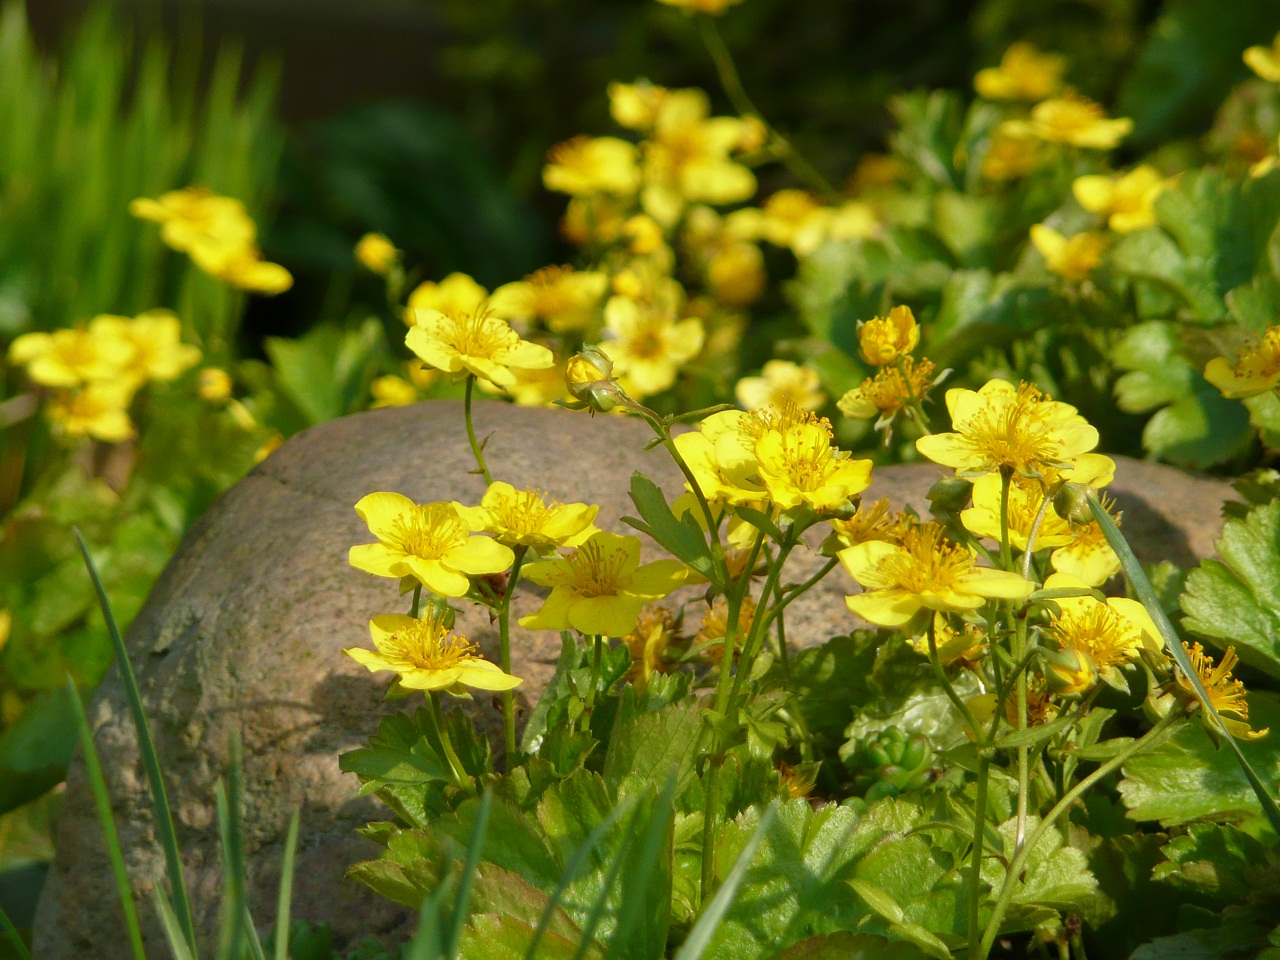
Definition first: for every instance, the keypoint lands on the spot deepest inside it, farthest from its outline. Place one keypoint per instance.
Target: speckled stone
(243, 632)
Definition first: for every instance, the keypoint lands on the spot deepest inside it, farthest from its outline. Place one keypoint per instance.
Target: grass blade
(630, 916)
(101, 800)
(1142, 586)
(285, 902)
(463, 900)
(172, 930)
(11, 934)
(700, 936)
(602, 902)
(571, 870)
(181, 906)
(428, 941)
(230, 833)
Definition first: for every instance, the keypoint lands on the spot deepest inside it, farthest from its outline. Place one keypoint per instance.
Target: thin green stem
(416, 607)
(596, 655)
(791, 593)
(708, 828)
(1031, 537)
(979, 844)
(11, 934)
(1006, 551)
(504, 654)
(476, 449)
(737, 94)
(756, 632)
(1151, 738)
(913, 400)
(1020, 705)
(943, 681)
(437, 714)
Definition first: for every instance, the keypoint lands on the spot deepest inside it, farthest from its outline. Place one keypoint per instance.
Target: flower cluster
(901, 383)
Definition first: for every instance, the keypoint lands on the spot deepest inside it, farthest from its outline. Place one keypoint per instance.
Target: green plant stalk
(1142, 586)
(979, 845)
(940, 674)
(504, 655)
(1150, 739)
(1023, 751)
(284, 902)
(737, 94)
(437, 715)
(791, 593)
(163, 813)
(11, 934)
(756, 632)
(913, 401)
(597, 653)
(416, 606)
(462, 902)
(102, 802)
(476, 449)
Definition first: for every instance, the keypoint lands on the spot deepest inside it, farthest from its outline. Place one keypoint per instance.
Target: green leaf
(1187, 778)
(325, 372)
(683, 538)
(1217, 861)
(1153, 256)
(1033, 735)
(497, 937)
(849, 946)
(35, 751)
(400, 753)
(1236, 600)
(652, 745)
(1054, 875)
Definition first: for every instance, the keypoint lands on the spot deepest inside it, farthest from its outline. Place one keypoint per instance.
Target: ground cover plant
(1024, 744)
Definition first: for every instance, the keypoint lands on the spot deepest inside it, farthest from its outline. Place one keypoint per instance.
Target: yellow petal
(382, 511)
(886, 608)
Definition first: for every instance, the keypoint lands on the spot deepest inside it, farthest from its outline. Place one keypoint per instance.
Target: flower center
(428, 645)
(477, 334)
(1100, 632)
(1263, 358)
(429, 530)
(926, 563)
(805, 455)
(1015, 431)
(522, 512)
(592, 572)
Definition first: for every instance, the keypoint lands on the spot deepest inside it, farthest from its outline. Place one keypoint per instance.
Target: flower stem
(952, 695)
(476, 449)
(979, 845)
(1031, 537)
(709, 826)
(737, 94)
(1006, 550)
(437, 714)
(597, 653)
(913, 402)
(416, 607)
(504, 653)
(1150, 739)
(1020, 704)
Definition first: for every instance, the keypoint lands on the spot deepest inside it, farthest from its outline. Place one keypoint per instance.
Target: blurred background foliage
(430, 121)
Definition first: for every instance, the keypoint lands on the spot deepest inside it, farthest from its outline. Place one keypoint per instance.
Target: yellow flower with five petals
(1072, 258)
(1126, 200)
(1025, 73)
(1073, 120)
(427, 656)
(525, 518)
(1256, 369)
(430, 542)
(476, 343)
(800, 467)
(648, 344)
(780, 382)
(600, 588)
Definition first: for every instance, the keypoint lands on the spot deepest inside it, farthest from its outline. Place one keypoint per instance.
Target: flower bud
(1071, 503)
(589, 378)
(376, 253)
(1070, 673)
(949, 495)
(883, 340)
(214, 384)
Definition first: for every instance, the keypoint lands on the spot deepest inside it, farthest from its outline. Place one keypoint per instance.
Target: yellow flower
(427, 656)
(875, 522)
(1012, 153)
(392, 391)
(883, 339)
(1070, 672)
(636, 105)
(800, 467)
(712, 7)
(1003, 426)
(524, 518)
(1225, 693)
(376, 253)
(686, 158)
(214, 385)
(1088, 556)
(6, 625)
(1072, 258)
(560, 297)
(1075, 120)
(735, 273)
(1024, 74)
(983, 518)
(923, 572)
(156, 337)
(780, 382)
(71, 357)
(429, 542)
(586, 165)
(99, 410)
(887, 392)
(789, 218)
(476, 343)
(600, 587)
(721, 456)
(649, 644)
(456, 293)
(1265, 61)
(217, 233)
(1255, 372)
(1127, 201)
(648, 344)
(1111, 634)
(965, 645)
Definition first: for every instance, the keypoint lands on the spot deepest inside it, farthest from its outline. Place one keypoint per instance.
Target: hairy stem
(476, 449)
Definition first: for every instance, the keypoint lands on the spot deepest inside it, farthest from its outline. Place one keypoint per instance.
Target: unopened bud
(1071, 503)
(1070, 673)
(949, 495)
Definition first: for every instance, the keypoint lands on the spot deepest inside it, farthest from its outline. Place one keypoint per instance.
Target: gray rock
(244, 631)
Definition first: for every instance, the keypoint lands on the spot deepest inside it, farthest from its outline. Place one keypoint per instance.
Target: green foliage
(1235, 601)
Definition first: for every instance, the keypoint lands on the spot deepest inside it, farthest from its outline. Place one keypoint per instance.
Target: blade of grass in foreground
(181, 906)
(285, 903)
(1142, 586)
(700, 936)
(172, 932)
(232, 922)
(11, 934)
(101, 800)
(462, 902)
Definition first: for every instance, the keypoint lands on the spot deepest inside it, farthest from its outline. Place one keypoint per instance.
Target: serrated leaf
(850, 946)
(398, 753)
(491, 936)
(653, 744)
(1187, 778)
(877, 899)
(1054, 875)
(682, 538)
(1236, 600)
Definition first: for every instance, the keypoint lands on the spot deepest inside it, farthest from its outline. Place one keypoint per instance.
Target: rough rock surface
(244, 632)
